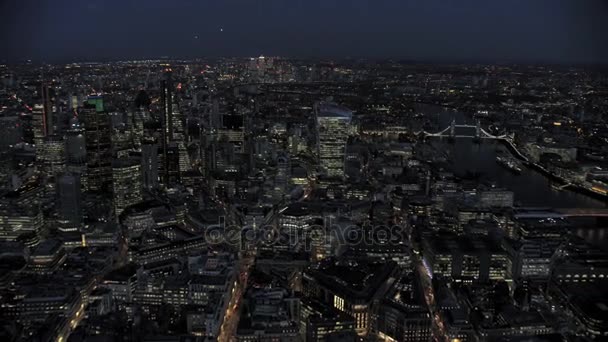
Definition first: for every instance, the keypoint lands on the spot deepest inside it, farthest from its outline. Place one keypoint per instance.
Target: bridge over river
(560, 212)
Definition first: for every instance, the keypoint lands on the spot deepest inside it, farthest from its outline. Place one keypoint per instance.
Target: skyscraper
(42, 116)
(149, 164)
(38, 124)
(76, 151)
(333, 125)
(166, 101)
(51, 154)
(171, 164)
(98, 143)
(70, 206)
(282, 176)
(48, 110)
(126, 174)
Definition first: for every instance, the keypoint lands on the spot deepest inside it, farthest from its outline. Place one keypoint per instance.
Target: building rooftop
(449, 243)
(327, 109)
(47, 247)
(360, 279)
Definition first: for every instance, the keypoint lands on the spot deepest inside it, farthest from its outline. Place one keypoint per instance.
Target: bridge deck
(560, 212)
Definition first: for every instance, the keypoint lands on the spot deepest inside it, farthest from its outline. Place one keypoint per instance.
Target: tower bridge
(450, 132)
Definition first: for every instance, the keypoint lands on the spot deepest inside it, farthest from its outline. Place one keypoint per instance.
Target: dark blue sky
(563, 31)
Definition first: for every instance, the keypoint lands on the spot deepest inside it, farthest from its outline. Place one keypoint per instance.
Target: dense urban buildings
(278, 199)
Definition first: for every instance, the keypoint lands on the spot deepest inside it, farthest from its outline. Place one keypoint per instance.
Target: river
(530, 187)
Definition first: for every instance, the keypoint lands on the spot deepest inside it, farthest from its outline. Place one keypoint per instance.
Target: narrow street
(439, 331)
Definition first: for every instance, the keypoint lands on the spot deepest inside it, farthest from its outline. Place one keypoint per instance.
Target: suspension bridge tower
(453, 128)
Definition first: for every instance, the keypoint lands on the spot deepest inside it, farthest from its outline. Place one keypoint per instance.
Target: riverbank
(540, 169)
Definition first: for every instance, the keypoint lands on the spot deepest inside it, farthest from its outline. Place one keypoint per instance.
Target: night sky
(562, 31)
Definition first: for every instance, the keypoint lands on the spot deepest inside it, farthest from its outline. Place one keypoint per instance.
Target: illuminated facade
(98, 143)
(318, 322)
(42, 115)
(51, 154)
(333, 128)
(15, 221)
(126, 174)
(348, 286)
(467, 258)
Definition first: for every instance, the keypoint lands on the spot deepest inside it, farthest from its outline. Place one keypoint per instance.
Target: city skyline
(457, 193)
(564, 32)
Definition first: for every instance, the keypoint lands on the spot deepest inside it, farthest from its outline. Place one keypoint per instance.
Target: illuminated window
(338, 303)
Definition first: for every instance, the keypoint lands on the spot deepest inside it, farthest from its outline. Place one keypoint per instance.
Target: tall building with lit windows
(282, 176)
(42, 115)
(98, 144)
(166, 103)
(51, 154)
(149, 164)
(70, 204)
(38, 123)
(126, 174)
(76, 150)
(333, 127)
(16, 220)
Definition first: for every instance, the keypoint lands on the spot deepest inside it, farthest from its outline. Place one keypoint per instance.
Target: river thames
(530, 188)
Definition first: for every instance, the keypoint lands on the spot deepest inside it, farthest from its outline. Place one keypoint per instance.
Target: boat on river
(509, 163)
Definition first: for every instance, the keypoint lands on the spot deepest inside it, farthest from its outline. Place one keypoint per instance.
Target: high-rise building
(10, 132)
(70, 205)
(171, 174)
(98, 144)
(76, 149)
(42, 114)
(48, 110)
(126, 174)
(333, 126)
(38, 124)
(177, 123)
(184, 158)
(51, 154)
(149, 164)
(166, 102)
(282, 176)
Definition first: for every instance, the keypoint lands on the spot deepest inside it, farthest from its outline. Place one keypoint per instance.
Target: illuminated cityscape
(282, 198)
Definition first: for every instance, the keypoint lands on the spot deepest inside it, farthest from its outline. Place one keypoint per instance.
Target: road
(245, 265)
(439, 331)
(231, 316)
